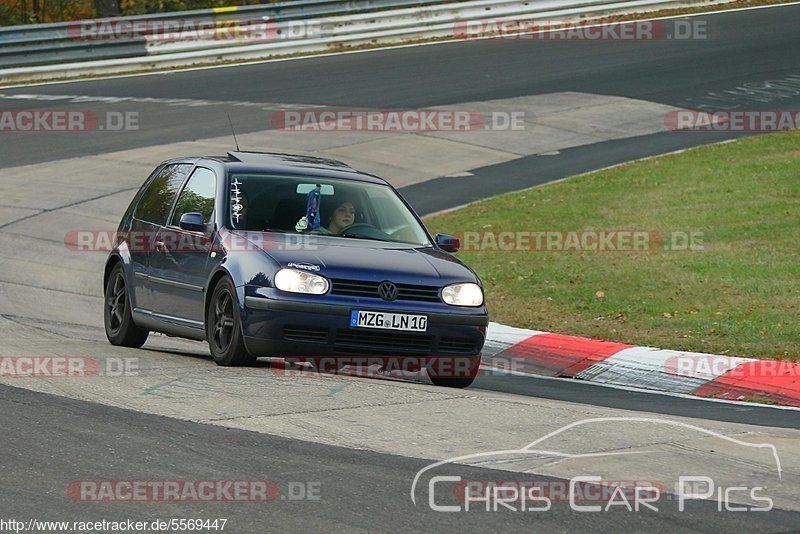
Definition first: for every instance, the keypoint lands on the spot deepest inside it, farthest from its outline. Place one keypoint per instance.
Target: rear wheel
(453, 371)
(120, 328)
(224, 327)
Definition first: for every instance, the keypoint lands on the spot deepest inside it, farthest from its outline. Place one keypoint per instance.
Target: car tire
(224, 327)
(119, 325)
(453, 371)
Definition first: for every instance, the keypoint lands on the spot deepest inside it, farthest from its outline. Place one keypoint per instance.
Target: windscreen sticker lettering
(236, 200)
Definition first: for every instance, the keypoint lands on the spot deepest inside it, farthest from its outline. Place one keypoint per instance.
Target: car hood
(358, 259)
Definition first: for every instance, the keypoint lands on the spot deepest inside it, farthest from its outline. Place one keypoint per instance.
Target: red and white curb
(618, 364)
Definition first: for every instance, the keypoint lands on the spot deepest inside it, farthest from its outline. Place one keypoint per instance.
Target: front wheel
(119, 325)
(453, 371)
(224, 327)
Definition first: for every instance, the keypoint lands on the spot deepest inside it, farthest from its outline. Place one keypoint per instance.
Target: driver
(343, 216)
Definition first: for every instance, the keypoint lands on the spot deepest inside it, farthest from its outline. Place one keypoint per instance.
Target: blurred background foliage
(14, 12)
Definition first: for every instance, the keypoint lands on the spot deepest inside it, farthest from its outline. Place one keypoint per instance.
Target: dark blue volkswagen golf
(280, 255)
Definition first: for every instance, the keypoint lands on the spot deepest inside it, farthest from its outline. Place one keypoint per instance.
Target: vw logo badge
(387, 291)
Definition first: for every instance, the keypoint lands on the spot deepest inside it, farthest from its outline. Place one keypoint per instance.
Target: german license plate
(388, 321)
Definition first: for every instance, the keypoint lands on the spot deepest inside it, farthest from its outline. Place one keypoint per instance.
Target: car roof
(273, 162)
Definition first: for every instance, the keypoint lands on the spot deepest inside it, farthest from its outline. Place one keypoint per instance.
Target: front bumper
(278, 327)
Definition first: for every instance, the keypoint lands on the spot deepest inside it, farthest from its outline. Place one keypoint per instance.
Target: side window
(197, 196)
(156, 202)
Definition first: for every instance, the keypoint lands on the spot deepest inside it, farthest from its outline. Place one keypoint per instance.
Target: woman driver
(343, 216)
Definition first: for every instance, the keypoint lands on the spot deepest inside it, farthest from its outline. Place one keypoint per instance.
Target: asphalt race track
(361, 441)
(741, 47)
(361, 491)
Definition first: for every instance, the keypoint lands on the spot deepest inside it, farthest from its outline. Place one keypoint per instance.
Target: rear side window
(197, 196)
(157, 200)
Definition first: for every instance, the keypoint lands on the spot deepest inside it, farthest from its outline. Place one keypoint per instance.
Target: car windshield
(346, 209)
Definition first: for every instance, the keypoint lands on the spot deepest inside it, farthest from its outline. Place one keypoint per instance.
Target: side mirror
(448, 243)
(193, 222)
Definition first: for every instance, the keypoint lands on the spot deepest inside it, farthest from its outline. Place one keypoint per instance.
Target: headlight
(463, 295)
(295, 281)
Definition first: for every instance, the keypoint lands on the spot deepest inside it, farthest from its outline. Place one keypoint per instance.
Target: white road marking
(185, 102)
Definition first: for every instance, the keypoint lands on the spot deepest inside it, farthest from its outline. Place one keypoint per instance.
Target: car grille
(307, 334)
(360, 288)
(382, 342)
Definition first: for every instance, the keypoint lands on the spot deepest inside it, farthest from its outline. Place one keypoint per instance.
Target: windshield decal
(236, 200)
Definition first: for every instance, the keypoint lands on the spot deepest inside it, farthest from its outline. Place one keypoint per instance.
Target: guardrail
(62, 50)
(44, 44)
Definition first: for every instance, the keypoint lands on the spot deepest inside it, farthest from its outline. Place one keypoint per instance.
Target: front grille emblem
(387, 291)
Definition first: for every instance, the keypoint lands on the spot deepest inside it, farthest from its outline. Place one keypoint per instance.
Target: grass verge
(735, 291)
